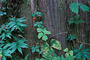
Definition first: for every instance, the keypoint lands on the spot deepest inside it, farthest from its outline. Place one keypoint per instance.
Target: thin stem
(58, 34)
(83, 43)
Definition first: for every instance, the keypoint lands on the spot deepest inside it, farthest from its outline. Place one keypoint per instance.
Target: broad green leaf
(55, 44)
(40, 52)
(33, 50)
(67, 54)
(40, 35)
(45, 47)
(37, 50)
(66, 50)
(84, 8)
(71, 53)
(39, 30)
(44, 37)
(74, 7)
(47, 32)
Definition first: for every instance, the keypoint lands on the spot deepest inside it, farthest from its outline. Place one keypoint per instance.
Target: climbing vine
(45, 48)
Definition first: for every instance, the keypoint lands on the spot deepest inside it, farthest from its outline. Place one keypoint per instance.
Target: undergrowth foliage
(81, 54)
(9, 42)
(12, 40)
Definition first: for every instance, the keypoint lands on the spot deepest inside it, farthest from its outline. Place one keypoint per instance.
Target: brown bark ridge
(30, 32)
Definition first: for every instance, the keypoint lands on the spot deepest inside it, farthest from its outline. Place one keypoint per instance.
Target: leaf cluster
(82, 53)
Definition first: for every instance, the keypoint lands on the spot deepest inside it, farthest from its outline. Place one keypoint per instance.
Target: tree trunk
(56, 16)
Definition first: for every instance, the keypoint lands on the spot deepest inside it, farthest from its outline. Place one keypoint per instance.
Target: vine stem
(83, 43)
(58, 34)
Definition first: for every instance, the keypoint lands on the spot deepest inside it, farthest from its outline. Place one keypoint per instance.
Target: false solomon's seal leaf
(55, 44)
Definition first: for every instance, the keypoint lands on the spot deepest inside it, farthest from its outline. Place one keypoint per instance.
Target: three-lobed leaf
(44, 37)
(74, 7)
(40, 35)
(55, 44)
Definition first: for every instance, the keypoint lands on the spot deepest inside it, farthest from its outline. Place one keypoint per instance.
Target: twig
(83, 43)
(58, 34)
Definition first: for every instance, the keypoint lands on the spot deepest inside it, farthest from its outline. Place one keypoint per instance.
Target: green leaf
(26, 57)
(71, 53)
(47, 32)
(33, 50)
(66, 50)
(37, 47)
(22, 25)
(20, 50)
(67, 54)
(55, 44)
(40, 52)
(80, 46)
(74, 7)
(3, 58)
(84, 7)
(45, 47)
(37, 50)
(79, 55)
(6, 53)
(79, 21)
(87, 56)
(44, 37)
(84, 58)
(85, 50)
(13, 50)
(87, 53)
(76, 50)
(12, 29)
(39, 30)
(40, 35)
